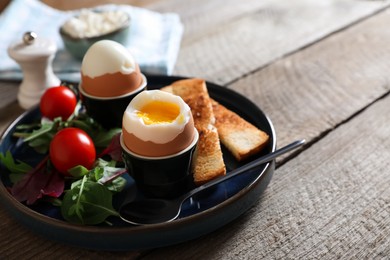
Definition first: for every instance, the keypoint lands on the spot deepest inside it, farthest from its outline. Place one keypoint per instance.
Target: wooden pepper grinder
(35, 56)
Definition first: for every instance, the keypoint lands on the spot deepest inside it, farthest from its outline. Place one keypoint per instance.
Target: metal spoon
(153, 210)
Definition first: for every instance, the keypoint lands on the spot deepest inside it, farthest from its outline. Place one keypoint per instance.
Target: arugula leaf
(28, 126)
(42, 143)
(40, 137)
(89, 126)
(104, 138)
(87, 203)
(78, 171)
(116, 185)
(107, 174)
(17, 167)
(46, 126)
(111, 178)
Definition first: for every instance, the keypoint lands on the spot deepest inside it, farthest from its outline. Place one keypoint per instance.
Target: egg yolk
(159, 112)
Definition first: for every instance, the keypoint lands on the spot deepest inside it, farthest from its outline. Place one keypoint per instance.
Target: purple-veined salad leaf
(38, 182)
(113, 149)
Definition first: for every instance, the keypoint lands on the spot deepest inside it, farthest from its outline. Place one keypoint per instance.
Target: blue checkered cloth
(154, 37)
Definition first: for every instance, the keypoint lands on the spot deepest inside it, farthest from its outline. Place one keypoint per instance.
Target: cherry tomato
(58, 101)
(71, 147)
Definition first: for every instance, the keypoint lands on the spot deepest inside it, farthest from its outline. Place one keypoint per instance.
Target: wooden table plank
(9, 91)
(204, 18)
(248, 43)
(3, 4)
(313, 91)
(9, 108)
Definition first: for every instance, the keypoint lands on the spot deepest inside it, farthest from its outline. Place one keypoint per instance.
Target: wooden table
(321, 71)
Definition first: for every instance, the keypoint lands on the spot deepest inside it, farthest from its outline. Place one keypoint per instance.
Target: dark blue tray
(201, 215)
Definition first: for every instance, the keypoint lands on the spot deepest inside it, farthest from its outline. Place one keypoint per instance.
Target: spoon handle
(246, 167)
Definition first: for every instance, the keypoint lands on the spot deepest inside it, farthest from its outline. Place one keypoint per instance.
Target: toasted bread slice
(208, 161)
(239, 136)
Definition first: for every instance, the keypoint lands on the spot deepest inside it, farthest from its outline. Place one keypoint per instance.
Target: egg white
(157, 133)
(107, 56)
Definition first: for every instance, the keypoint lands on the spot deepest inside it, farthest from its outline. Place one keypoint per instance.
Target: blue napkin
(154, 37)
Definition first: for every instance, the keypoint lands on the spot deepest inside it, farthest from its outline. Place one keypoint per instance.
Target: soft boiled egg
(157, 123)
(109, 70)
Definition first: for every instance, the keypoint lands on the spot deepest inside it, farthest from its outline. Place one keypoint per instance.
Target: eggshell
(151, 149)
(108, 70)
(156, 140)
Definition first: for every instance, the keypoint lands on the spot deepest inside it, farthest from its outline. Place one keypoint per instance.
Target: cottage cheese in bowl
(92, 24)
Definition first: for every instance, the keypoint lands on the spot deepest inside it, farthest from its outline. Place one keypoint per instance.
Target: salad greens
(16, 168)
(38, 182)
(87, 202)
(39, 135)
(84, 197)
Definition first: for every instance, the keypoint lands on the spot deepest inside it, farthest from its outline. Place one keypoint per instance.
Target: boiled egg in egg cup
(110, 79)
(158, 141)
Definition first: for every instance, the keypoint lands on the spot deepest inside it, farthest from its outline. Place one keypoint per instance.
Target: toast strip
(239, 136)
(208, 161)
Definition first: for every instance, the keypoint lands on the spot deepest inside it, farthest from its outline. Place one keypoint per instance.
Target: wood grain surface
(315, 90)
(252, 40)
(320, 70)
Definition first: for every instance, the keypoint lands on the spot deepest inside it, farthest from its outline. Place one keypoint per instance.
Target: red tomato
(71, 147)
(58, 102)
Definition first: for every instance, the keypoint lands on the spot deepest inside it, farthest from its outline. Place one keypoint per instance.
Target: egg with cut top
(156, 124)
(109, 70)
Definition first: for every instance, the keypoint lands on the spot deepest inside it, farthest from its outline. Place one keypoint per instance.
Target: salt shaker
(35, 56)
